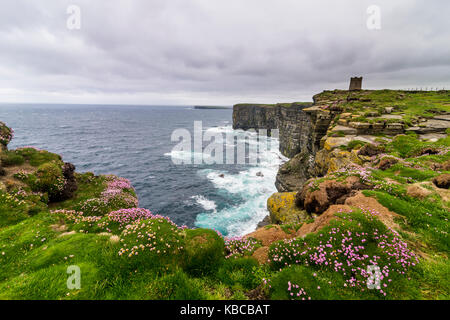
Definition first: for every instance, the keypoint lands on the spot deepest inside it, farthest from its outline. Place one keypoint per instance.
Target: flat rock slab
(431, 126)
(432, 137)
(335, 142)
(445, 117)
(344, 129)
(388, 117)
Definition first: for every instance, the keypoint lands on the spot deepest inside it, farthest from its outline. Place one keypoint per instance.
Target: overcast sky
(183, 52)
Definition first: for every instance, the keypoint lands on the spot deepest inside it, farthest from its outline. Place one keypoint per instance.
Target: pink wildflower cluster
(21, 175)
(126, 216)
(115, 185)
(10, 200)
(77, 217)
(364, 172)
(116, 195)
(122, 218)
(147, 236)
(239, 246)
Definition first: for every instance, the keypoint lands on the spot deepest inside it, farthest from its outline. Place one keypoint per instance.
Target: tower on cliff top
(355, 83)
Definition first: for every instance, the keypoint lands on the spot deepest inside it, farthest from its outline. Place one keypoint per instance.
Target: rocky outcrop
(318, 198)
(293, 174)
(342, 132)
(70, 183)
(442, 181)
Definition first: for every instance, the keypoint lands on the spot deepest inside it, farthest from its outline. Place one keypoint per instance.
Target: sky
(217, 52)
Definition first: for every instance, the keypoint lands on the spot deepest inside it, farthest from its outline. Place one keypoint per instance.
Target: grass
(11, 158)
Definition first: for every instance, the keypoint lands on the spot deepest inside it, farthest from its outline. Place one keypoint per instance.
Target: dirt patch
(261, 254)
(370, 150)
(267, 235)
(358, 201)
(322, 220)
(417, 191)
(58, 227)
(8, 178)
(257, 294)
(383, 213)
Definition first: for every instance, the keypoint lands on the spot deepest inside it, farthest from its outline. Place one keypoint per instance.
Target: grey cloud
(215, 51)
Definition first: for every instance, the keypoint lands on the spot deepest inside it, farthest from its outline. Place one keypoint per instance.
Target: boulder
(430, 126)
(264, 222)
(370, 150)
(442, 181)
(70, 185)
(293, 174)
(328, 192)
(386, 163)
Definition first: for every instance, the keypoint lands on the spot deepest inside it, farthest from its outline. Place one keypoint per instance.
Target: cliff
(369, 186)
(309, 132)
(374, 158)
(295, 126)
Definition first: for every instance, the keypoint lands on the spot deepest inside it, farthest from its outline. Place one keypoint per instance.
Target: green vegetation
(9, 158)
(127, 252)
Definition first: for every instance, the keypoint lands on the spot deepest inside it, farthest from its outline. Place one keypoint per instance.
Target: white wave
(207, 204)
(254, 185)
(188, 156)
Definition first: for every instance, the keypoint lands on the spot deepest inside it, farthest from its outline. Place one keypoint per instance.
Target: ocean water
(135, 142)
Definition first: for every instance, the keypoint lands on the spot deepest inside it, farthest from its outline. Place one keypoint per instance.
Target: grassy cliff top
(409, 103)
(284, 105)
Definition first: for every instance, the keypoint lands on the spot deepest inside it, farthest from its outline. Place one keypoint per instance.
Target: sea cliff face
(295, 125)
(384, 152)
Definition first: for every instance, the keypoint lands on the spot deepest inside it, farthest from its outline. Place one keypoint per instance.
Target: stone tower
(355, 83)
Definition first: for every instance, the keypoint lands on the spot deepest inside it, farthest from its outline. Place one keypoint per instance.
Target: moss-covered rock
(50, 179)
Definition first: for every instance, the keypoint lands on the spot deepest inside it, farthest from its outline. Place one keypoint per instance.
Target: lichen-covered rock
(293, 174)
(328, 162)
(442, 181)
(283, 210)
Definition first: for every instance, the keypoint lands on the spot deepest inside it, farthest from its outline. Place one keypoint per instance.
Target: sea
(137, 142)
